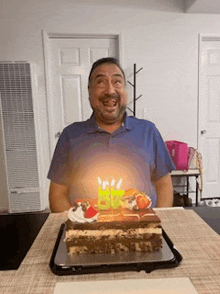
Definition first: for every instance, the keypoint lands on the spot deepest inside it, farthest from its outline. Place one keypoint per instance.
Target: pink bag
(179, 153)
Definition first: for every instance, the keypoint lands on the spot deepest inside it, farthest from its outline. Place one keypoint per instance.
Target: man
(111, 146)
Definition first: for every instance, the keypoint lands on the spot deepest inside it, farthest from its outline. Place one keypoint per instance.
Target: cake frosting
(78, 215)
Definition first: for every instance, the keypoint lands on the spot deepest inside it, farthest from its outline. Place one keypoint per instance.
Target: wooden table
(197, 242)
(18, 231)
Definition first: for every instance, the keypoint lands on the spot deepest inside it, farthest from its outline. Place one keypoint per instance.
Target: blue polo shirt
(135, 153)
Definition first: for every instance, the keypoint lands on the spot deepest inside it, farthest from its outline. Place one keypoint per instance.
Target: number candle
(108, 196)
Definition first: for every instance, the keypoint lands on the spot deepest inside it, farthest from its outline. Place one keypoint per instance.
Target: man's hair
(110, 60)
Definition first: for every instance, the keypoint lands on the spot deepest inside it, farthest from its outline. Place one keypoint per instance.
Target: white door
(209, 114)
(69, 63)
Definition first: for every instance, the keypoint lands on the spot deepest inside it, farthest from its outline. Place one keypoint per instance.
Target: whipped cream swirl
(78, 216)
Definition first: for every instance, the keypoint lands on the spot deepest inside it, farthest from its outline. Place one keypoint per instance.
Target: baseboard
(4, 210)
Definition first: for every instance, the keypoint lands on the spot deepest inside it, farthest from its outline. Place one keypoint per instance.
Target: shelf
(189, 173)
(182, 173)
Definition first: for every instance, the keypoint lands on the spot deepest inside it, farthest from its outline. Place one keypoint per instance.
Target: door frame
(48, 79)
(200, 123)
(202, 38)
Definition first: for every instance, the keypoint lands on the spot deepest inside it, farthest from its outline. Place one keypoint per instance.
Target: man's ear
(89, 89)
(90, 101)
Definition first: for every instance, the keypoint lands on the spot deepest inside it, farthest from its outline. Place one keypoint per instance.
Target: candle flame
(107, 195)
(119, 184)
(105, 183)
(99, 181)
(112, 182)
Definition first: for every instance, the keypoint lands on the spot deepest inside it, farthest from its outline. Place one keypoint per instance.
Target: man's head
(107, 91)
(109, 60)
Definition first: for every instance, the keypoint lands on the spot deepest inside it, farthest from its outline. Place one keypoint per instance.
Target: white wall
(157, 36)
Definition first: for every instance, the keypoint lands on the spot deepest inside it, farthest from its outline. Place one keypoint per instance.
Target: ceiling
(180, 6)
(202, 6)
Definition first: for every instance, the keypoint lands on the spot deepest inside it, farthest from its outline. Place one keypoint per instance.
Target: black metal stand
(190, 173)
(134, 86)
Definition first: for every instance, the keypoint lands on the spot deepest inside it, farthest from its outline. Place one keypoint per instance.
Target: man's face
(107, 93)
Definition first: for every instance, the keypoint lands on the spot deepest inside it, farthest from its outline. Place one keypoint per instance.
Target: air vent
(19, 135)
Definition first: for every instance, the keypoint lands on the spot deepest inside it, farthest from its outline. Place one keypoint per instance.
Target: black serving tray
(63, 264)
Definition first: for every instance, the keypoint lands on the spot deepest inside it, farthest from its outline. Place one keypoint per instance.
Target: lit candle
(104, 201)
(108, 196)
(116, 196)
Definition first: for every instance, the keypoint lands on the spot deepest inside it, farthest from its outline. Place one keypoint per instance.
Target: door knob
(203, 132)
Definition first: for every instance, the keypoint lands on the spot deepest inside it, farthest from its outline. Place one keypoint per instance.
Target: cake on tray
(132, 227)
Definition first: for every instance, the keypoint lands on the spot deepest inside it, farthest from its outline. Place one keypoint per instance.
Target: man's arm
(164, 188)
(58, 197)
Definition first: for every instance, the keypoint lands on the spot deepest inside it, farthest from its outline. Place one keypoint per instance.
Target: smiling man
(108, 95)
(109, 145)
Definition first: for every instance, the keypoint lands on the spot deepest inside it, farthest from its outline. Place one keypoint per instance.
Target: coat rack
(134, 92)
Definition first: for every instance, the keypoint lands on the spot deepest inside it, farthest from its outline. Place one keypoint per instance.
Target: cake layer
(111, 225)
(114, 240)
(126, 215)
(115, 231)
(114, 237)
(108, 246)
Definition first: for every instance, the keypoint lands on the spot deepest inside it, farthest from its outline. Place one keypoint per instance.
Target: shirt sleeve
(59, 170)
(163, 161)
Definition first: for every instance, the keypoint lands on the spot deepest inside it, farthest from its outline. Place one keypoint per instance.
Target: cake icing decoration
(135, 200)
(82, 214)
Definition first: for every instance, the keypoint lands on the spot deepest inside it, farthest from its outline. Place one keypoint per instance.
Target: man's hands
(59, 194)
(58, 197)
(164, 188)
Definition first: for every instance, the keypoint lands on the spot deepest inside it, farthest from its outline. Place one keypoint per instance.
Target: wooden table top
(196, 241)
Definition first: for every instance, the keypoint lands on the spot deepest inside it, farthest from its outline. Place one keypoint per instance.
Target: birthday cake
(133, 226)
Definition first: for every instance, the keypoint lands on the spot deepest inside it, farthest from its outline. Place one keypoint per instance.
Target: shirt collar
(93, 127)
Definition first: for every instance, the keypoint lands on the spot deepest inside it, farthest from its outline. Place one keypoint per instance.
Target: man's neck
(111, 128)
